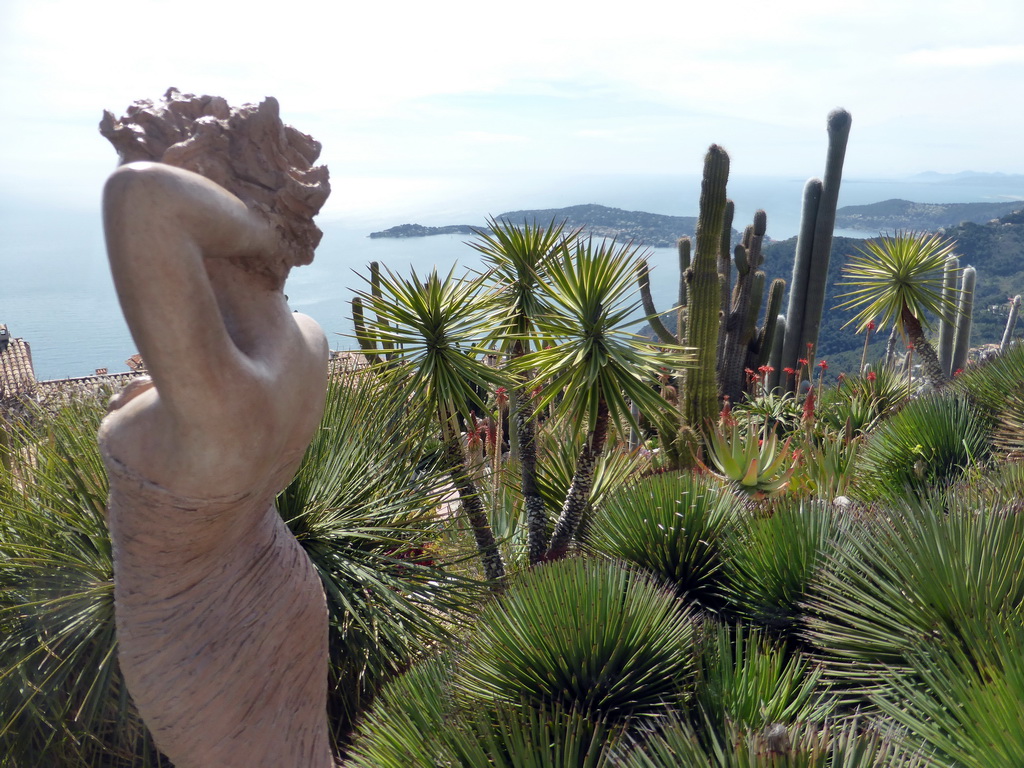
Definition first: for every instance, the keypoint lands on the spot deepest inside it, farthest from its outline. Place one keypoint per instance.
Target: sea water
(56, 292)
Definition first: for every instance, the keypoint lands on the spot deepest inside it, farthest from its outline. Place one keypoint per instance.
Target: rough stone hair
(247, 150)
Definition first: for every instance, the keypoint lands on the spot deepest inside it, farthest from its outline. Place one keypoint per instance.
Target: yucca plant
(63, 702)
(898, 279)
(927, 571)
(517, 257)
(675, 527)
(749, 680)
(770, 561)
(963, 700)
(590, 365)
(430, 332)
(418, 723)
(581, 634)
(363, 506)
(927, 444)
(996, 389)
(614, 469)
(849, 744)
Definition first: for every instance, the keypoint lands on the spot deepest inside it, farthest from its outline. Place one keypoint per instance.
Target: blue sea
(56, 292)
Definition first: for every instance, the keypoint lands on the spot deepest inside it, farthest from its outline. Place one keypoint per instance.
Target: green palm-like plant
(770, 562)
(614, 469)
(362, 505)
(927, 445)
(63, 701)
(431, 329)
(899, 279)
(581, 634)
(517, 258)
(674, 526)
(592, 363)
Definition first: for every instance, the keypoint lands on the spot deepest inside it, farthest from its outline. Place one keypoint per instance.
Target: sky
(406, 95)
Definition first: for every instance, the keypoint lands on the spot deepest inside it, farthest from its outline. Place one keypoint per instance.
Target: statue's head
(247, 150)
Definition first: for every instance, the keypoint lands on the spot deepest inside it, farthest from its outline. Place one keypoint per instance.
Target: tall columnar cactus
(965, 310)
(367, 339)
(725, 270)
(745, 305)
(947, 325)
(810, 269)
(791, 350)
(766, 336)
(1011, 323)
(699, 398)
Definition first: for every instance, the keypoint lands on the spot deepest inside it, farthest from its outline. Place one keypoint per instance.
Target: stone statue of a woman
(221, 618)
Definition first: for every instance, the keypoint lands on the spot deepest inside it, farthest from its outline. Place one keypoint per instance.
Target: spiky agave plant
(852, 743)
(419, 723)
(996, 389)
(581, 634)
(749, 680)
(675, 527)
(927, 445)
(771, 560)
(962, 700)
(754, 461)
(927, 570)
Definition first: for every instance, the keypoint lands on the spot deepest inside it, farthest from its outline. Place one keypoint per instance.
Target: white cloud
(962, 57)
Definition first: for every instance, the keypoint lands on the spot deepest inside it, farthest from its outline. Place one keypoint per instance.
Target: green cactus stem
(700, 393)
(1011, 323)
(947, 325)
(839, 122)
(791, 350)
(365, 339)
(807, 298)
(683, 245)
(962, 340)
(775, 355)
(725, 270)
(766, 336)
(643, 279)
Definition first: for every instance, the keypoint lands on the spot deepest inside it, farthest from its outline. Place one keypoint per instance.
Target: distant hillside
(891, 215)
(995, 249)
(651, 229)
(418, 230)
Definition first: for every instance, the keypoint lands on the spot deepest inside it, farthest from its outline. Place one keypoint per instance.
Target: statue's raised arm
(221, 619)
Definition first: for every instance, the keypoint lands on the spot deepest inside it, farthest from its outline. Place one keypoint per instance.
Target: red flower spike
(872, 376)
(823, 365)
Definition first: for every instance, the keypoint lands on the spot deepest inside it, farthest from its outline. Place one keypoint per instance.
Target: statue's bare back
(221, 617)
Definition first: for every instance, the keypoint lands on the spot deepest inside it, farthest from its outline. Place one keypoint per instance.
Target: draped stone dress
(221, 624)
